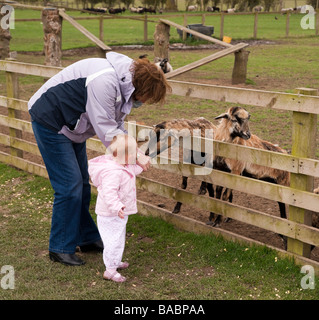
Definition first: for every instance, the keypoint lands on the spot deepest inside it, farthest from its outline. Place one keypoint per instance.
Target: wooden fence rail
(299, 197)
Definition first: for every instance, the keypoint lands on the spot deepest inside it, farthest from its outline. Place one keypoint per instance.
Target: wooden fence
(302, 202)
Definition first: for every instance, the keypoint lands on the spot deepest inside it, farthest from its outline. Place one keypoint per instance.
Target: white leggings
(113, 232)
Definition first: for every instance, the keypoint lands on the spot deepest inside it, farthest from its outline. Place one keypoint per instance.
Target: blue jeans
(67, 166)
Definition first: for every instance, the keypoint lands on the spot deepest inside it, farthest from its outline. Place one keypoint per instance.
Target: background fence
(258, 25)
(302, 202)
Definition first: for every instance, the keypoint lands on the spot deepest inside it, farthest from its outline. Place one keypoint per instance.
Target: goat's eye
(239, 120)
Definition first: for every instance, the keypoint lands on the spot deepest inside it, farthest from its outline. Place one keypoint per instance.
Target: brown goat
(233, 128)
(164, 136)
(224, 133)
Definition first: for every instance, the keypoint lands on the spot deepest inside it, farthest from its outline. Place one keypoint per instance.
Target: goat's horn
(223, 115)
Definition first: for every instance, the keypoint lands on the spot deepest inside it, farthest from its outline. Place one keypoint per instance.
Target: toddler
(114, 176)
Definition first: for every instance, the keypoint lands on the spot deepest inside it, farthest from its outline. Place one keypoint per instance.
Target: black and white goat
(162, 64)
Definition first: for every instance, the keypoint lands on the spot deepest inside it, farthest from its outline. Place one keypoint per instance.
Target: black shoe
(66, 258)
(95, 246)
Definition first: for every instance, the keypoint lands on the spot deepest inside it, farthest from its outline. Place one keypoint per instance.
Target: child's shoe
(114, 276)
(123, 265)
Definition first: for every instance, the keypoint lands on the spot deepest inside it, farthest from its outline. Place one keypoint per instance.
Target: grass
(166, 264)
(29, 35)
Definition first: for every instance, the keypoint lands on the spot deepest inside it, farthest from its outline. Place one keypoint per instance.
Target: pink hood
(115, 184)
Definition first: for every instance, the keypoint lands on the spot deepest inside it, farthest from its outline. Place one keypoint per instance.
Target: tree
(313, 3)
(171, 5)
(267, 4)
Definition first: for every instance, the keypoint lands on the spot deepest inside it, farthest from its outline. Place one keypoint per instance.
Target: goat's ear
(222, 116)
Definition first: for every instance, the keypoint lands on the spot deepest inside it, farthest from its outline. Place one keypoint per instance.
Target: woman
(92, 96)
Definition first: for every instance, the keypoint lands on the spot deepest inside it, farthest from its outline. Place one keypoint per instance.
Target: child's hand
(143, 161)
(121, 213)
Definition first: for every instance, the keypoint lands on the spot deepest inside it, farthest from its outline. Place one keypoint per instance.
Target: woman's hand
(143, 161)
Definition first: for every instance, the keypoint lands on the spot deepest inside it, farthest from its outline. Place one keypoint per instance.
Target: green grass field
(28, 36)
(165, 263)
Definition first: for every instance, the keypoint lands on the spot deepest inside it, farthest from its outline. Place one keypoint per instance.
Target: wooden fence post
(203, 19)
(52, 27)
(101, 28)
(5, 36)
(287, 23)
(185, 24)
(145, 28)
(12, 84)
(221, 36)
(161, 41)
(304, 129)
(317, 22)
(255, 25)
(240, 67)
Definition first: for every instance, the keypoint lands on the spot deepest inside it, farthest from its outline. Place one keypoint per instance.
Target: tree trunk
(161, 42)
(52, 27)
(240, 67)
(5, 35)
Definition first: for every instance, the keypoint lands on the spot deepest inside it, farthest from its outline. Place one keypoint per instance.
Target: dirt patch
(242, 199)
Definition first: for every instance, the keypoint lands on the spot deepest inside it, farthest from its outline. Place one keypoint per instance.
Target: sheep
(285, 10)
(232, 10)
(213, 9)
(192, 8)
(116, 10)
(258, 9)
(316, 190)
(150, 10)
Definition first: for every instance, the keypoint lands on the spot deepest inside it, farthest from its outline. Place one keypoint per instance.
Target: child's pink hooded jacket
(115, 184)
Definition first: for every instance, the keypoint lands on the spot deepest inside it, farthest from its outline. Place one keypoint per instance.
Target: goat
(232, 10)
(316, 190)
(200, 123)
(163, 137)
(224, 133)
(233, 128)
(162, 64)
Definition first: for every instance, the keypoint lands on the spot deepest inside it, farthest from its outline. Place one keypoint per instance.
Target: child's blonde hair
(124, 149)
